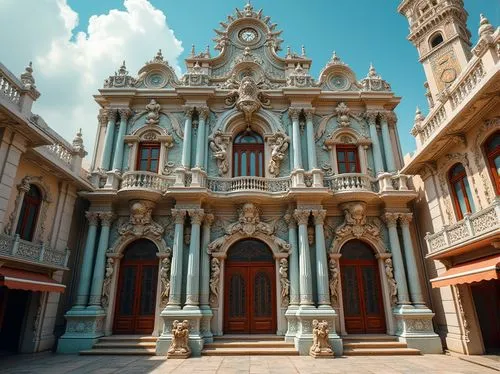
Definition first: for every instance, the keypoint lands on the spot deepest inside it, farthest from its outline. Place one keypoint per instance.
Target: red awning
(28, 281)
(486, 268)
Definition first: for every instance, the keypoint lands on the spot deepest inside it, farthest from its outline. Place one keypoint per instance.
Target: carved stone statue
(153, 116)
(393, 287)
(321, 346)
(310, 235)
(179, 348)
(214, 282)
(284, 282)
(106, 287)
(165, 281)
(333, 281)
(343, 115)
(219, 148)
(140, 222)
(355, 223)
(279, 145)
(187, 235)
(247, 98)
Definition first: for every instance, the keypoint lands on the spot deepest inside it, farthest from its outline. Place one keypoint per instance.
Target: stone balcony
(474, 231)
(16, 249)
(250, 184)
(352, 185)
(144, 184)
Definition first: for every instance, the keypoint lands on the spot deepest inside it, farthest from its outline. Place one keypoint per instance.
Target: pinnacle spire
(485, 27)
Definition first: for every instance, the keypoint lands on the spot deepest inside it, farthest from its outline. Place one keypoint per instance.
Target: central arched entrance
(136, 295)
(250, 289)
(361, 289)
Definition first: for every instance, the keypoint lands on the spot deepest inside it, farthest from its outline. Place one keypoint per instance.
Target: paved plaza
(55, 364)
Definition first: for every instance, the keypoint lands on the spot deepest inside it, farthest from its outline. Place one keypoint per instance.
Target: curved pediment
(157, 73)
(338, 76)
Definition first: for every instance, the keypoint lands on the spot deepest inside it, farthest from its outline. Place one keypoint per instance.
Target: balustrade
(146, 180)
(350, 182)
(249, 183)
(9, 88)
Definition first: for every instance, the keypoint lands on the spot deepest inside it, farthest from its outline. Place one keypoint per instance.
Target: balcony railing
(471, 227)
(145, 180)
(13, 246)
(10, 88)
(249, 184)
(351, 182)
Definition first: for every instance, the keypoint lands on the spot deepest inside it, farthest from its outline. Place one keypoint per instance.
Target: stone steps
(376, 345)
(124, 345)
(249, 352)
(249, 345)
(381, 352)
(120, 351)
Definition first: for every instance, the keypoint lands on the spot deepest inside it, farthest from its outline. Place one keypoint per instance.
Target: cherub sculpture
(179, 348)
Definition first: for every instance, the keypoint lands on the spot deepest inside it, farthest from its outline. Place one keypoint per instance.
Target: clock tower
(438, 29)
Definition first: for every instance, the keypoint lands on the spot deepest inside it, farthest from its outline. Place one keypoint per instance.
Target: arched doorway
(250, 289)
(136, 295)
(361, 289)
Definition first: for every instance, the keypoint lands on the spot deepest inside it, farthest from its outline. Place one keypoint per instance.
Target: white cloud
(70, 68)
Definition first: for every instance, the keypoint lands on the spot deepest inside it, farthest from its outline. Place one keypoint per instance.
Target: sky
(76, 44)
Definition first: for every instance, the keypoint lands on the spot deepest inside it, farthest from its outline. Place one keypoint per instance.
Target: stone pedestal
(205, 330)
(414, 327)
(199, 177)
(298, 178)
(113, 180)
(83, 329)
(180, 177)
(196, 340)
(317, 178)
(291, 318)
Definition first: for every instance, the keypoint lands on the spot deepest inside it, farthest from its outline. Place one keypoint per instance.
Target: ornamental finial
(123, 69)
(303, 51)
(418, 116)
(27, 76)
(192, 50)
(372, 73)
(485, 27)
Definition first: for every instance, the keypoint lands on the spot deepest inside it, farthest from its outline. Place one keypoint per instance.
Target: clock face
(248, 35)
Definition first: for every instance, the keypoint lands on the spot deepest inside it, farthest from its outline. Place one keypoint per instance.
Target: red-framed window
(248, 155)
(460, 190)
(347, 159)
(148, 157)
(492, 151)
(28, 217)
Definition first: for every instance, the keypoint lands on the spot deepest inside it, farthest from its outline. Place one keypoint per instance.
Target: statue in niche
(279, 145)
(218, 145)
(140, 222)
(321, 346)
(393, 287)
(179, 348)
(355, 222)
(106, 287)
(214, 282)
(333, 281)
(284, 282)
(247, 98)
(165, 281)
(153, 116)
(343, 115)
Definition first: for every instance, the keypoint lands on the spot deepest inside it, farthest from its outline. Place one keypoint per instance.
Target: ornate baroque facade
(249, 197)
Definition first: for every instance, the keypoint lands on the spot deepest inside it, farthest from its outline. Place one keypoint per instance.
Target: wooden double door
(136, 297)
(486, 296)
(250, 289)
(361, 290)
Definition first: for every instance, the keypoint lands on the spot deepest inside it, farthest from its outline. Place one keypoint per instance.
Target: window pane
(341, 156)
(155, 152)
(493, 143)
(497, 164)
(144, 165)
(252, 164)
(144, 153)
(243, 164)
(460, 197)
(352, 168)
(352, 156)
(261, 165)
(236, 164)
(469, 196)
(154, 166)
(342, 168)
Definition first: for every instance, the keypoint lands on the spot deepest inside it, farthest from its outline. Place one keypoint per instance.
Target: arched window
(436, 40)
(29, 213)
(492, 151)
(248, 154)
(460, 190)
(148, 157)
(347, 159)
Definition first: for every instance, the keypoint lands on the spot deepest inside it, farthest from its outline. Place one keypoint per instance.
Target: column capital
(106, 218)
(111, 114)
(405, 218)
(203, 112)
(309, 113)
(92, 218)
(102, 117)
(188, 111)
(302, 216)
(389, 117)
(125, 114)
(319, 216)
(196, 216)
(391, 219)
(294, 113)
(208, 219)
(370, 116)
(179, 215)
(290, 220)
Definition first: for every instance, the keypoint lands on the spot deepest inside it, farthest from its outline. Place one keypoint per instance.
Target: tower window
(460, 191)
(29, 213)
(436, 40)
(148, 157)
(248, 155)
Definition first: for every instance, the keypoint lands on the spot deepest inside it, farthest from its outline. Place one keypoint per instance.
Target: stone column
(174, 301)
(100, 261)
(377, 154)
(321, 259)
(386, 137)
(397, 257)
(82, 293)
(108, 140)
(296, 150)
(311, 148)
(118, 156)
(417, 296)
(306, 299)
(293, 260)
(23, 188)
(186, 145)
(203, 113)
(193, 268)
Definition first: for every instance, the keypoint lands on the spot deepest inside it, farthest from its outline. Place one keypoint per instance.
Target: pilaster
(293, 260)
(124, 113)
(377, 154)
(386, 138)
(108, 139)
(186, 145)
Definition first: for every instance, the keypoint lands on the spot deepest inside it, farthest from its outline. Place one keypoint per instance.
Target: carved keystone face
(357, 211)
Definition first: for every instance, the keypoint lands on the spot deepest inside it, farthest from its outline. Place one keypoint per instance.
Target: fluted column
(100, 261)
(174, 301)
(386, 137)
(203, 113)
(118, 156)
(193, 268)
(416, 294)
(205, 262)
(397, 259)
(377, 153)
(293, 260)
(108, 139)
(296, 149)
(321, 259)
(311, 148)
(186, 145)
(302, 217)
(82, 293)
